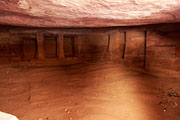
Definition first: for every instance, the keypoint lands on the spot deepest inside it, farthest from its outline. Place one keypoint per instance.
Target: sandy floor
(97, 91)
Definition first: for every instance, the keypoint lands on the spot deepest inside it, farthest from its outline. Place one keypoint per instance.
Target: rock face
(88, 13)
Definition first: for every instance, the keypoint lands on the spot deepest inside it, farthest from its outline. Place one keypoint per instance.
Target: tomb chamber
(89, 59)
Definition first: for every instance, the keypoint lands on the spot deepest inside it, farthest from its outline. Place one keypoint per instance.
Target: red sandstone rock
(88, 13)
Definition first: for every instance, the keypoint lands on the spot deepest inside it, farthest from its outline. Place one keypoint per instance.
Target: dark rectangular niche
(50, 45)
(29, 48)
(70, 46)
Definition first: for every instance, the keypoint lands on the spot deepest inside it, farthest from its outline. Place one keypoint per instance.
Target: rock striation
(88, 13)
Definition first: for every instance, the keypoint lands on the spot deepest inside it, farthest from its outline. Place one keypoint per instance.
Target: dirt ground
(88, 91)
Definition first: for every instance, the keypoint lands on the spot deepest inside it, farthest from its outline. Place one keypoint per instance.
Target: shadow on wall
(94, 47)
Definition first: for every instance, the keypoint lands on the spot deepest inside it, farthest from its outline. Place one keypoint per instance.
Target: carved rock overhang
(88, 13)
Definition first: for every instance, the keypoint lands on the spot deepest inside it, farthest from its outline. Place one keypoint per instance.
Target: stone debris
(166, 103)
(169, 97)
(172, 93)
(165, 109)
(67, 111)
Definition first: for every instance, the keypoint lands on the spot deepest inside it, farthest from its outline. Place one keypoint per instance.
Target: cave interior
(88, 68)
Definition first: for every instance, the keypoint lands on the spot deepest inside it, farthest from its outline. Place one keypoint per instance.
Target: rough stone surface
(102, 90)
(88, 13)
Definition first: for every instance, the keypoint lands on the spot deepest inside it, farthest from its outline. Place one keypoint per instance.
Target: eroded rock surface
(88, 13)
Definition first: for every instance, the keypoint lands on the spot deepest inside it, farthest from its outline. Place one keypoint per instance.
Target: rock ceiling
(88, 13)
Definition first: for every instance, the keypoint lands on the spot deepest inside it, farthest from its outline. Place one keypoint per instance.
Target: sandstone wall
(93, 47)
(135, 47)
(10, 46)
(143, 46)
(149, 46)
(163, 49)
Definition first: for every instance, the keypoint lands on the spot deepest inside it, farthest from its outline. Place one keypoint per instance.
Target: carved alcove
(70, 45)
(50, 45)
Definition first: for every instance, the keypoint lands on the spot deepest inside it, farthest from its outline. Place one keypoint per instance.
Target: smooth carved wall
(93, 47)
(145, 46)
(135, 47)
(148, 47)
(163, 49)
(10, 46)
